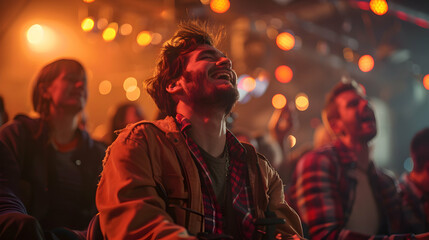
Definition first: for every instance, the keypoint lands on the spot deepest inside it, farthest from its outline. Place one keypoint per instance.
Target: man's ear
(174, 87)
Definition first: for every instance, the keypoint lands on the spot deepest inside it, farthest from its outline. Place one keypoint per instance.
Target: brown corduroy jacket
(150, 186)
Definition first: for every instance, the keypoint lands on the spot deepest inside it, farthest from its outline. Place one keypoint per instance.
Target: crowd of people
(187, 175)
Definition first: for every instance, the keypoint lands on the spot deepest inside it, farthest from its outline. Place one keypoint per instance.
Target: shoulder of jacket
(139, 129)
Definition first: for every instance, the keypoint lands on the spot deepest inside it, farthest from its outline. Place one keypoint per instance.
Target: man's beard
(218, 98)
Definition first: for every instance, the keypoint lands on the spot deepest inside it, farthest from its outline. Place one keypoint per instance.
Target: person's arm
(127, 196)
(277, 203)
(10, 172)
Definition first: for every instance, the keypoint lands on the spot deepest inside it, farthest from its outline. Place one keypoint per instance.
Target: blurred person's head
(348, 113)
(60, 86)
(125, 114)
(187, 69)
(420, 151)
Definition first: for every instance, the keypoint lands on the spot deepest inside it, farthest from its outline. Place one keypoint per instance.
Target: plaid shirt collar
(237, 177)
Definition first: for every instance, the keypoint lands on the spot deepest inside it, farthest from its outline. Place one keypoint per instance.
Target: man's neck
(63, 127)
(360, 149)
(208, 128)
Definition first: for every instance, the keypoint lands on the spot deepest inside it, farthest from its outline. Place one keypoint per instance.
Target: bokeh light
(126, 29)
(378, 7)
(41, 38)
(283, 74)
(348, 54)
(130, 84)
(102, 23)
(110, 32)
(88, 1)
(291, 140)
(279, 101)
(156, 38)
(366, 63)
(205, 2)
(249, 84)
(35, 34)
(220, 6)
(144, 38)
(426, 81)
(105, 87)
(285, 41)
(87, 24)
(133, 95)
(301, 102)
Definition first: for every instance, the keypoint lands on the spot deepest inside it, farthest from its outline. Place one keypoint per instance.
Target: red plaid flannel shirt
(413, 205)
(238, 177)
(323, 191)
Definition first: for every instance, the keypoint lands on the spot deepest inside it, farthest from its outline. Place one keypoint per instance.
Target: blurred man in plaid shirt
(415, 185)
(337, 190)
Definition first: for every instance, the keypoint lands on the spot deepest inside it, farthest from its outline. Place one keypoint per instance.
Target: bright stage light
(41, 38)
(378, 7)
(220, 6)
(366, 63)
(283, 74)
(426, 81)
(87, 24)
(279, 101)
(144, 38)
(285, 41)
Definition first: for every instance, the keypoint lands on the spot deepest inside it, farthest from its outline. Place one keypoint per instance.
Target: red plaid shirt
(415, 205)
(238, 178)
(323, 191)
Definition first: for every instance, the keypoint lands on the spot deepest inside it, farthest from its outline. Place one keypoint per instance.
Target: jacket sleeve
(127, 198)
(10, 170)
(277, 203)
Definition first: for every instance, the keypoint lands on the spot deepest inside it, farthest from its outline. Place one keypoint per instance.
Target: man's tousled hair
(171, 61)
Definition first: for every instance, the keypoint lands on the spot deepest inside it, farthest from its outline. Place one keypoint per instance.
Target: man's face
(68, 91)
(356, 117)
(209, 78)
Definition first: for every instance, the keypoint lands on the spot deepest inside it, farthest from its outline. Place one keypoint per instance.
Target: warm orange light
(279, 101)
(102, 23)
(249, 84)
(205, 2)
(35, 34)
(220, 6)
(41, 38)
(88, 1)
(130, 84)
(301, 102)
(366, 63)
(110, 32)
(292, 141)
(426, 81)
(133, 95)
(144, 38)
(156, 38)
(126, 29)
(379, 7)
(87, 24)
(285, 41)
(105, 87)
(348, 54)
(283, 74)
